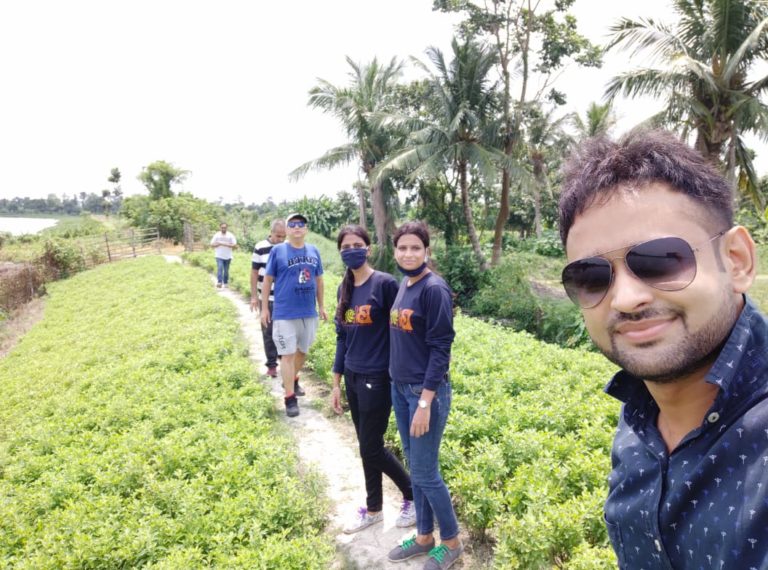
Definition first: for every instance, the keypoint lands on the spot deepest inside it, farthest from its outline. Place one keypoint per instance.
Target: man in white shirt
(224, 242)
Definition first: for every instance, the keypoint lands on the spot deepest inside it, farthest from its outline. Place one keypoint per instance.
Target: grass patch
(133, 433)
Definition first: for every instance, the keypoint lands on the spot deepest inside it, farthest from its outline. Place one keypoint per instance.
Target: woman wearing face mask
(421, 335)
(362, 356)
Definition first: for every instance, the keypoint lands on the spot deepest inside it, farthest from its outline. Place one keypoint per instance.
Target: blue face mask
(413, 272)
(354, 258)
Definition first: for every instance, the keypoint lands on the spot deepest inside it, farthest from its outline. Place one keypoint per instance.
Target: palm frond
(332, 158)
(735, 62)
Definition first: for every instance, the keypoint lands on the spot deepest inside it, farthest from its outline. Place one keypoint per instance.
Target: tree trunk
(501, 219)
(539, 182)
(361, 205)
(381, 223)
(468, 216)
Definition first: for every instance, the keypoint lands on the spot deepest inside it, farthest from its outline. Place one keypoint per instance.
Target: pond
(19, 226)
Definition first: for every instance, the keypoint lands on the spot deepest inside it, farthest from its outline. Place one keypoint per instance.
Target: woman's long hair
(348, 282)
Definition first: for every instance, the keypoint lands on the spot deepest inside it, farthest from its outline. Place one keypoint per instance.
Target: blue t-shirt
(295, 271)
(362, 338)
(421, 332)
(705, 505)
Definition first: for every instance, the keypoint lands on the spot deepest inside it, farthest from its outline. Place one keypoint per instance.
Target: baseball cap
(296, 216)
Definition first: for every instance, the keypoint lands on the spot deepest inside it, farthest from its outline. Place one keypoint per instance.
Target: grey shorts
(294, 334)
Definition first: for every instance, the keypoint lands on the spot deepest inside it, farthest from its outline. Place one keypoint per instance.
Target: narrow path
(330, 446)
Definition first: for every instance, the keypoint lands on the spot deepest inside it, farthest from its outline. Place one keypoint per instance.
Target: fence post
(159, 245)
(106, 240)
(133, 242)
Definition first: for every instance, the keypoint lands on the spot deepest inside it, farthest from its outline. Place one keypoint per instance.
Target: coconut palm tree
(705, 67)
(598, 119)
(369, 92)
(457, 133)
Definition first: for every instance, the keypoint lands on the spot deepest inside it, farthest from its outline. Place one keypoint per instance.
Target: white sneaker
(407, 516)
(363, 520)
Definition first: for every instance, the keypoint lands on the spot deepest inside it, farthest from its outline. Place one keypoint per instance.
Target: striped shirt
(259, 262)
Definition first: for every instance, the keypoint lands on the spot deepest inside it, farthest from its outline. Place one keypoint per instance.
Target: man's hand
(255, 303)
(323, 314)
(266, 318)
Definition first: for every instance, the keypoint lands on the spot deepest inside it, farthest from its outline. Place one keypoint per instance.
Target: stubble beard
(696, 350)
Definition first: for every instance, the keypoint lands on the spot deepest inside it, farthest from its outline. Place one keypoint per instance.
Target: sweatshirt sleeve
(390, 288)
(341, 343)
(439, 333)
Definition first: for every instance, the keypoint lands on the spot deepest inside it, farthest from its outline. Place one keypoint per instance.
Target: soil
(20, 321)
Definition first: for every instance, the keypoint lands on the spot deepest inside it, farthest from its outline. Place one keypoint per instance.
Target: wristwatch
(423, 404)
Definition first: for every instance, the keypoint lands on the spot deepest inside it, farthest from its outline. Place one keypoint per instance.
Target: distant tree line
(63, 205)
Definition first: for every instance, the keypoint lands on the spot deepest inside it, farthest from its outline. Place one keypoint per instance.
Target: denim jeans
(430, 493)
(270, 350)
(222, 270)
(370, 404)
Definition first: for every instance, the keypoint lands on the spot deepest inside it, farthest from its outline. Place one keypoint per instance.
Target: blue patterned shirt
(705, 505)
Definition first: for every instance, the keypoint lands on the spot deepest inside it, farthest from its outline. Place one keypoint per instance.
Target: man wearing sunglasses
(296, 270)
(660, 273)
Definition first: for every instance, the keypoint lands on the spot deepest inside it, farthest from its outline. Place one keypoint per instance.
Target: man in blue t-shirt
(297, 273)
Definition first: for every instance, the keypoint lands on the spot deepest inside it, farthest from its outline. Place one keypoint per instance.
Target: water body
(19, 226)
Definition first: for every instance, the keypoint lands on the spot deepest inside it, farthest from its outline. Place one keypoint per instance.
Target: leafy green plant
(135, 434)
(62, 258)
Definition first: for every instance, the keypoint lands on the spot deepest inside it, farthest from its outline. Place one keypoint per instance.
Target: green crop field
(134, 433)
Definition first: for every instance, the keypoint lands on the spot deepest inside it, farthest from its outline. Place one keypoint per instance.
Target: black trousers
(370, 402)
(269, 345)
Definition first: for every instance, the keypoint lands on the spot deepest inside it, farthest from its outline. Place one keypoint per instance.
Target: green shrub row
(134, 434)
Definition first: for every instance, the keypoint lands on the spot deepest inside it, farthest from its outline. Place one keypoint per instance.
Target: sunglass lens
(668, 264)
(587, 280)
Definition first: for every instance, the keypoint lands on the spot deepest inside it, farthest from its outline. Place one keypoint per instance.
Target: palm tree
(545, 142)
(369, 92)
(598, 119)
(457, 134)
(704, 74)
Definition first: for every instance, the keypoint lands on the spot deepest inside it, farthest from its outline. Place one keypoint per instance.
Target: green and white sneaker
(408, 549)
(441, 557)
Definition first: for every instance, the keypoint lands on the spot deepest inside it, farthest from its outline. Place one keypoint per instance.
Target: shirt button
(713, 417)
(657, 544)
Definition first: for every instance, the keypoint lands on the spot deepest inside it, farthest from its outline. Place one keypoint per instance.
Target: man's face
(297, 228)
(277, 235)
(655, 335)
(223, 228)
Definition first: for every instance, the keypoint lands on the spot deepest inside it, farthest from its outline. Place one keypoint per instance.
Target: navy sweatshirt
(421, 332)
(362, 339)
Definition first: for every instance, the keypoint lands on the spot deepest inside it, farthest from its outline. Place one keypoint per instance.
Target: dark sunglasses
(296, 224)
(667, 264)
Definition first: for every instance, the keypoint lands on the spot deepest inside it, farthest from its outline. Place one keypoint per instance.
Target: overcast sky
(216, 88)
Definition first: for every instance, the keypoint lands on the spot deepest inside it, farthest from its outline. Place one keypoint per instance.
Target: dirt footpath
(329, 445)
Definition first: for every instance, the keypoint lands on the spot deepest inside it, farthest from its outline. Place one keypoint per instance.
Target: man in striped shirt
(258, 263)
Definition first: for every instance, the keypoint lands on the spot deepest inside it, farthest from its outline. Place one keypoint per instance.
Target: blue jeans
(430, 493)
(222, 270)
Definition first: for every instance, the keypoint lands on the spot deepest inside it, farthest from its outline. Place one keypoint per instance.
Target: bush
(61, 258)
(19, 284)
(508, 297)
(460, 268)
